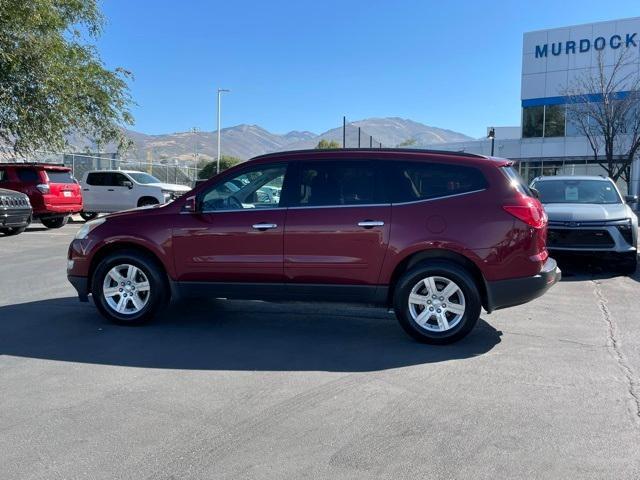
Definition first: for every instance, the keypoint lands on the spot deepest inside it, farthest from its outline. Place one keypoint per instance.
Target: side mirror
(190, 204)
(536, 193)
(128, 184)
(631, 198)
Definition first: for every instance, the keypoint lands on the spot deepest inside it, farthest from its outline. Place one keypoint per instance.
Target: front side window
(577, 191)
(260, 187)
(414, 181)
(334, 183)
(3, 175)
(116, 180)
(532, 122)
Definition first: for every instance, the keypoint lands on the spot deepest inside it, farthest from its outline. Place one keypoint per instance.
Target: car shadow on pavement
(576, 268)
(228, 335)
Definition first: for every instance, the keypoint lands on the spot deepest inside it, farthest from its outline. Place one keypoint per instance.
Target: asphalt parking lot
(232, 389)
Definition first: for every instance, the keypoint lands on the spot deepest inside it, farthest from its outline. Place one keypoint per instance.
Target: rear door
(338, 224)
(94, 192)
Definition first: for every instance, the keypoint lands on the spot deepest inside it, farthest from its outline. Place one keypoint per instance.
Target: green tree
(408, 142)
(326, 144)
(208, 170)
(52, 82)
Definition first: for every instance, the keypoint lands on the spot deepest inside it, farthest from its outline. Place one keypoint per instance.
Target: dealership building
(546, 143)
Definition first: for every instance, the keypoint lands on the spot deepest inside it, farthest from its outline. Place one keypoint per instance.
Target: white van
(106, 191)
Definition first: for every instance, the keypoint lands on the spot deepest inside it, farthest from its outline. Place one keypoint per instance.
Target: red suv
(435, 235)
(53, 192)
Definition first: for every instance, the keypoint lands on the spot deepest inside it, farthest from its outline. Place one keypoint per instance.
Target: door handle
(109, 189)
(263, 226)
(370, 223)
(85, 189)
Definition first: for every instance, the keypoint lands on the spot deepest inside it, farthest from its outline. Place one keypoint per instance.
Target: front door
(338, 224)
(236, 234)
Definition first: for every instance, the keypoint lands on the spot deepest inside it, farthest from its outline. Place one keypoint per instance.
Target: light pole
(195, 152)
(492, 136)
(220, 92)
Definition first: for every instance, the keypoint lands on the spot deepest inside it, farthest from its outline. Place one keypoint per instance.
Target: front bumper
(516, 291)
(15, 218)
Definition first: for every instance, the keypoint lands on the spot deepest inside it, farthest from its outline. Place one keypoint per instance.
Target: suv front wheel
(129, 287)
(437, 302)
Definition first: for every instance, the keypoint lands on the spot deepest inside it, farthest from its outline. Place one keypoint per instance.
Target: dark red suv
(53, 192)
(435, 235)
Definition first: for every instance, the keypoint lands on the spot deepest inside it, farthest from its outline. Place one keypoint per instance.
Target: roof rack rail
(373, 149)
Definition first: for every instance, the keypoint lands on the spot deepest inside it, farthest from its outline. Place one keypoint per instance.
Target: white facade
(551, 61)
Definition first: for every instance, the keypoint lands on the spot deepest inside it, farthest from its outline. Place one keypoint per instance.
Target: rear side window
(414, 181)
(28, 175)
(96, 179)
(60, 176)
(334, 183)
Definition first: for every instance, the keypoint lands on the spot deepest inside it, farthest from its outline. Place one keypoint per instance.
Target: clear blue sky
(302, 65)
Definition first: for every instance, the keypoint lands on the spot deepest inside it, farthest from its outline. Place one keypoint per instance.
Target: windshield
(143, 178)
(577, 191)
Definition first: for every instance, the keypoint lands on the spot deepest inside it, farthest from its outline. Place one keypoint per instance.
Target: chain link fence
(80, 163)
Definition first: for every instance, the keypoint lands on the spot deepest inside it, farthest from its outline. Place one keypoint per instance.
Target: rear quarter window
(414, 181)
(28, 175)
(516, 181)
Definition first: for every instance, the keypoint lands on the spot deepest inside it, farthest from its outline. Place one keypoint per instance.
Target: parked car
(53, 192)
(15, 212)
(587, 215)
(435, 235)
(107, 191)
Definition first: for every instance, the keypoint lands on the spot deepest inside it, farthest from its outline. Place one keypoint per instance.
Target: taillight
(529, 210)
(43, 188)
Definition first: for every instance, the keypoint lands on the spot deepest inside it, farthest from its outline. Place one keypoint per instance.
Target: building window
(554, 121)
(532, 122)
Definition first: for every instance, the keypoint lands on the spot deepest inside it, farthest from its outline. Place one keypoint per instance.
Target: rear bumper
(516, 291)
(81, 284)
(57, 210)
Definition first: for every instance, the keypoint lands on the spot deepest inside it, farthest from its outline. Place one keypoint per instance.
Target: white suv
(106, 191)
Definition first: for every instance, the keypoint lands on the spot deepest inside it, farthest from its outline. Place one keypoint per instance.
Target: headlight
(168, 195)
(87, 227)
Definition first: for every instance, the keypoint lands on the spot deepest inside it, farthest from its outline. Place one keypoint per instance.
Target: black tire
(10, 231)
(158, 291)
(146, 202)
(628, 263)
(449, 271)
(86, 216)
(55, 222)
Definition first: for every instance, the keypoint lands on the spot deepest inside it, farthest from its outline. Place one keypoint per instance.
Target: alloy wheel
(126, 289)
(436, 304)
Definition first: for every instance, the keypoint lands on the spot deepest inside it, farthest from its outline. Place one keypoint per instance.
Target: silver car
(587, 214)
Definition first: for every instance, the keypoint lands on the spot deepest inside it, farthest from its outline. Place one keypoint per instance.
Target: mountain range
(246, 141)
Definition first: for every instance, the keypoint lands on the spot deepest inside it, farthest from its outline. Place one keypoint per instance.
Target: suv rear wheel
(55, 222)
(437, 302)
(128, 287)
